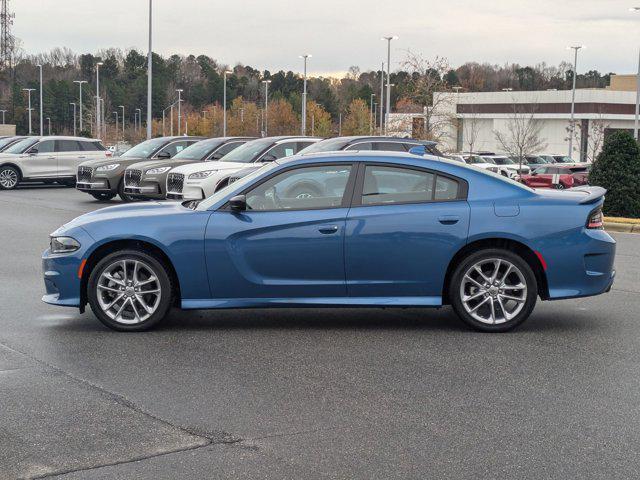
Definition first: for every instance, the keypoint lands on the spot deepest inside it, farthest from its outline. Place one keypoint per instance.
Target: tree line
(336, 104)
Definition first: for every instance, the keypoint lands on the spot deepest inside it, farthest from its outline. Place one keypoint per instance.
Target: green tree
(357, 119)
(617, 169)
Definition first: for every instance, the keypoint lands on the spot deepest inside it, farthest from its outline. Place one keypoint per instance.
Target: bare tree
(522, 136)
(427, 77)
(470, 129)
(595, 136)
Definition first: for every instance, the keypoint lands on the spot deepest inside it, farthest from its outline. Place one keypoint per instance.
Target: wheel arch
(141, 245)
(14, 165)
(515, 246)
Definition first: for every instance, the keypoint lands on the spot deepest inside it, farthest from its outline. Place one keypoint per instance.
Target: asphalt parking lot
(307, 394)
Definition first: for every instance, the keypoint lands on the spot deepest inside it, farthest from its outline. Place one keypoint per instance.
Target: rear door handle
(448, 219)
(328, 229)
(82, 156)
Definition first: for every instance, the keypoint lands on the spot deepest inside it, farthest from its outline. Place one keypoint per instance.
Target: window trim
(463, 189)
(347, 196)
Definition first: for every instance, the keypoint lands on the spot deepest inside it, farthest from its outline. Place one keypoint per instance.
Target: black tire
(9, 173)
(161, 272)
(103, 196)
(486, 254)
(125, 197)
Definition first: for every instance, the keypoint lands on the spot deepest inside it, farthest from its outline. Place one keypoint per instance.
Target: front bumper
(189, 192)
(146, 189)
(94, 185)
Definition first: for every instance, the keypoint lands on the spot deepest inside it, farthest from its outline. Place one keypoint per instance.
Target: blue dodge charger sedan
(339, 229)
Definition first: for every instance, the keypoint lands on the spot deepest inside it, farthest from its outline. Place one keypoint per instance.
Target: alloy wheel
(129, 291)
(8, 178)
(493, 291)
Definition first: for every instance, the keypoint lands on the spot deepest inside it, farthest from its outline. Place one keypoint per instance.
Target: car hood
(123, 161)
(122, 212)
(145, 165)
(202, 166)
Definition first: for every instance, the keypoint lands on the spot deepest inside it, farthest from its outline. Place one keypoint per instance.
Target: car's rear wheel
(9, 177)
(103, 196)
(125, 197)
(493, 290)
(129, 291)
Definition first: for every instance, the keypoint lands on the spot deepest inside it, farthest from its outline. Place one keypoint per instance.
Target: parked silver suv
(47, 159)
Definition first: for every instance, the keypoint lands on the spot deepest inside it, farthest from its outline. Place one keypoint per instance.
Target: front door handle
(51, 158)
(328, 229)
(448, 219)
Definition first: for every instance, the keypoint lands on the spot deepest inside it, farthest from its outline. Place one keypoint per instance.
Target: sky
(340, 33)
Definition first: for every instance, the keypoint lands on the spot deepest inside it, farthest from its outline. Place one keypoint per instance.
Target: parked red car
(550, 177)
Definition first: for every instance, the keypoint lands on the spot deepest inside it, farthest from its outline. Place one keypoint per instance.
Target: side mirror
(33, 151)
(268, 158)
(418, 150)
(163, 155)
(215, 156)
(238, 203)
(534, 173)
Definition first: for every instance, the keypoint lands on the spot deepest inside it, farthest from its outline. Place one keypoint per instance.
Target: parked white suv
(201, 180)
(47, 159)
(507, 167)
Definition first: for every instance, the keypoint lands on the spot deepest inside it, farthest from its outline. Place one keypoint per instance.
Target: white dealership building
(473, 119)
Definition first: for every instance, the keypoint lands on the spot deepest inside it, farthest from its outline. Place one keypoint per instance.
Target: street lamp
(179, 90)
(266, 106)
(74, 117)
(224, 103)
(371, 114)
(635, 124)
(381, 97)
(306, 56)
(149, 78)
(80, 82)
(29, 90)
(573, 96)
(41, 122)
(386, 121)
(98, 131)
(122, 107)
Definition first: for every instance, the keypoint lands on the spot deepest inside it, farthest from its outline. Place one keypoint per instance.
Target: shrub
(617, 169)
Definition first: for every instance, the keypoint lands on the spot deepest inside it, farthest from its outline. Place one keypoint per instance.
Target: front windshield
(538, 160)
(563, 159)
(503, 161)
(329, 145)
(145, 149)
(198, 151)
(238, 184)
(248, 152)
(21, 146)
(6, 141)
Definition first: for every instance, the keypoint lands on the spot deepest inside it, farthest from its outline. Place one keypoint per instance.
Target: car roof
(64, 137)
(354, 138)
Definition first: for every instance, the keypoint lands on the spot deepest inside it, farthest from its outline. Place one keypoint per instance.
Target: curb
(622, 227)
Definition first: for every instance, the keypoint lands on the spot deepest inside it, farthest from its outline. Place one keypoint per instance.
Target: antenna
(7, 40)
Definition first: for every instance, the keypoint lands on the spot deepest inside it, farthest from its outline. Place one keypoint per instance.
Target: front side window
(303, 188)
(384, 185)
(280, 151)
(226, 148)
(46, 146)
(174, 148)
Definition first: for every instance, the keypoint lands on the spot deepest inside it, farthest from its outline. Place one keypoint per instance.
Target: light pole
(102, 122)
(572, 126)
(635, 123)
(98, 131)
(135, 122)
(80, 82)
(266, 106)
(139, 119)
(122, 107)
(41, 120)
(386, 118)
(49, 120)
(224, 103)
(29, 90)
(149, 78)
(3, 112)
(117, 129)
(306, 57)
(381, 98)
(74, 117)
(179, 90)
(171, 118)
(371, 114)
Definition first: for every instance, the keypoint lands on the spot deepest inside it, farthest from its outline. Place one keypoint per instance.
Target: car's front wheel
(493, 290)
(125, 197)
(9, 177)
(129, 290)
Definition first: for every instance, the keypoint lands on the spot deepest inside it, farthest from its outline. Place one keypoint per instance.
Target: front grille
(132, 178)
(175, 182)
(84, 174)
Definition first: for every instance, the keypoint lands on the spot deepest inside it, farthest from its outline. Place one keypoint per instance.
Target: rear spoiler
(593, 194)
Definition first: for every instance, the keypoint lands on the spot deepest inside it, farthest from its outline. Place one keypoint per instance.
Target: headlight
(199, 175)
(156, 171)
(63, 244)
(108, 168)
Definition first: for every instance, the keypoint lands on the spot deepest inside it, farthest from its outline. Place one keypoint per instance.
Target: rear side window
(361, 146)
(92, 146)
(446, 188)
(68, 146)
(390, 147)
(386, 185)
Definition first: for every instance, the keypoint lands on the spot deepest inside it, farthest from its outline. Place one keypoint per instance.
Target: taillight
(596, 220)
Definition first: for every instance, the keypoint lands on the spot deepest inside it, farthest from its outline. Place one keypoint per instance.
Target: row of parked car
(193, 168)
